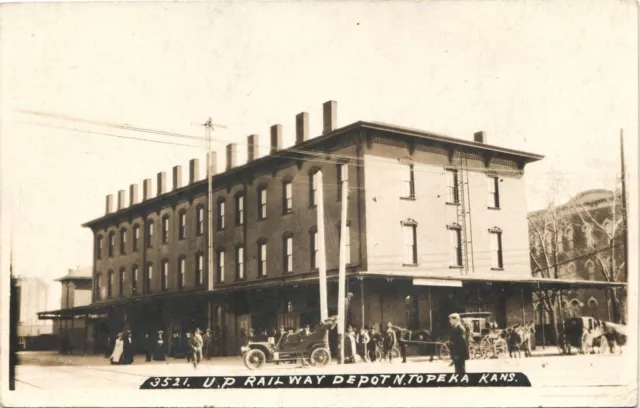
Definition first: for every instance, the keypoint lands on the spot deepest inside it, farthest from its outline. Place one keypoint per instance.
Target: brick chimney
(109, 207)
(162, 183)
(302, 127)
(252, 148)
(177, 177)
(231, 156)
(329, 116)
(147, 186)
(276, 138)
(121, 203)
(479, 137)
(194, 167)
(133, 194)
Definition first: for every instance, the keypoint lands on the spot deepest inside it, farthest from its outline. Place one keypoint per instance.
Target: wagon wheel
(320, 357)
(378, 354)
(445, 353)
(395, 353)
(585, 344)
(500, 348)
(254, 359)
(486, 347)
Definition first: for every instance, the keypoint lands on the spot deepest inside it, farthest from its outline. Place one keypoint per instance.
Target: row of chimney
(302, 134)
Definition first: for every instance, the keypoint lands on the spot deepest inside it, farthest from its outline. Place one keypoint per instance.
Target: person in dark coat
(148, 346)
(374, 341)
(207, 344)
(459, 344)
(389, 341)
(128, 348)
(160, 350)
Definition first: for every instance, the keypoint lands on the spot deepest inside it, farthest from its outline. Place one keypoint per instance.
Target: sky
(552, 78)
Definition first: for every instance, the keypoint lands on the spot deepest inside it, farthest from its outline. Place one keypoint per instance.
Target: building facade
(33, 295)
(76, 291)
(435, 225)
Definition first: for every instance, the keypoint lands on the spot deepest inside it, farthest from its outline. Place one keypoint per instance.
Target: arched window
(587, 230)
(590, 266)
(220, 206)
(313, 187)
(112, 243)
(99, 247)
(165, 229)
(164, 277)
(568, 234)
(608, 227)
(121, 281)
(240, 208)
(571, 271)
(199, 269)
(575, 308)
(148, 278)
(134, 279)
(123, 241)
(136, 236)
(181, 270)
(593, 307)
(182, 225)
(110, 284)
(287, 252)
(200, 220)
(149, 233)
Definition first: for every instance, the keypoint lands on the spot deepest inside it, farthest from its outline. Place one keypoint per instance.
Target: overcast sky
(553, 78)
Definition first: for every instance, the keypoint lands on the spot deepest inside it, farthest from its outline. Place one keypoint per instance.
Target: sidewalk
(55, 358)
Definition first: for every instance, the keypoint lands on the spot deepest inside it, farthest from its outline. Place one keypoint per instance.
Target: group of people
(123, 350)
(361, 344)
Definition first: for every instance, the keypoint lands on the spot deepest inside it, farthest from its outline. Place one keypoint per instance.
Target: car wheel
(320, 357)
(254, 359)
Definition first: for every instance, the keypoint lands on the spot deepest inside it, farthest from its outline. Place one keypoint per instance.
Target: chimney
(194, 166)
(162, 183)
(252, 148)
(177, 177)
(302, 127)
(276, 138)
(109, 208)
(231, 156)
(329, 116)
(478, 137)
(121, 200)
(133, 194)
(146, 189)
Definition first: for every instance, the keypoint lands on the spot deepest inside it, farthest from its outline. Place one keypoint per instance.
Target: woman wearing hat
(116, 356)
(160, 349)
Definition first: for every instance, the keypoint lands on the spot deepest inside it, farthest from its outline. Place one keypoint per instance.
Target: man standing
(148, 346)
(374, 341)
(389, 341)
(197, 342)
(459, 345)
(206, 344)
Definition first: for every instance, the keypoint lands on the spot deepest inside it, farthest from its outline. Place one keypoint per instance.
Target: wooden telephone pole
(342, 269)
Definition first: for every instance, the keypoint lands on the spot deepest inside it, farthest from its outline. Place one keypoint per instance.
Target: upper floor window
(568, 233)
(181, 269)
(608, 229)
(220, 214)
(136, 236)
(452, 186)
(200, 220)
(199, 269)
(110, 284)
(262, 203)
(99, 247)
(182, 225)
(262, 259)
(287, 258)
(591, 269)
(165, 229)
(165, 275)
(587, 230)
(134, 279)
(409, 234)
(496, 248)
(313, 188)
(112, 243)
(313, 247)
(220, 265)
(455, 238)
(571, 271)
(408, 182)
(287, 197)
(494, 192)
(559, 241)
(148, 279)
(123, 241)
(121, 281)
(240, 209)
(239, 262)
(149, 233)
(343, 176)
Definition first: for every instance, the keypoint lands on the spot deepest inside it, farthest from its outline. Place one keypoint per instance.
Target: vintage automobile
(291, 347)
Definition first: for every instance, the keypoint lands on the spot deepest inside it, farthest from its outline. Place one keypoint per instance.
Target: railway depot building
(435, 225)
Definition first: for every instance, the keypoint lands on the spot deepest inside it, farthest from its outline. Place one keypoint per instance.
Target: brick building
(435, 225)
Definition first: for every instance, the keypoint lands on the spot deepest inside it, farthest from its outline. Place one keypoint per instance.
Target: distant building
(33, 299)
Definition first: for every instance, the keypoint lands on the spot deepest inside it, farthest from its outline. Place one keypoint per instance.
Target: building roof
(588, 198)
(311, 144)
(77, 274)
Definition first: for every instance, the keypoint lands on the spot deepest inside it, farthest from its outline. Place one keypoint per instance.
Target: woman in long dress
(159, 354)
(118, 349)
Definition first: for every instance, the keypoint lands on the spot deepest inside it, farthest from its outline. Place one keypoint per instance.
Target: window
(240, 210)
(199, 269)
(608, 227)
(181, 269)
(110, 284)
(262, 259)
(452, 187)
(455, 237)
(98, 286)
(575, 307)
(410, 243)
(165, 275)
(287, 258)
(496, 248)
(134, 279)
(148, 278)
(408, 182)
(121, 282)
(165, 229)
(99, 247)
(313, 188)
(220, 215)
(220, 265)
(593, 308)
(571, 271)
(591, 269)
(343, 175)
(136, 236)
(182, 225)
(568, 233)
(494, 192)
(112, 243)
(347, 240)
(239, 262)
(123, 241)
(559, 243)
(200, 220)
(287, 197)
(149, 233)
(313, 240)
(588, 235)
(262, 203)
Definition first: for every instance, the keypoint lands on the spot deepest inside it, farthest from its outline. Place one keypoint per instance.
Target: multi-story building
(424, 212)
(33, 299)
(582, 239)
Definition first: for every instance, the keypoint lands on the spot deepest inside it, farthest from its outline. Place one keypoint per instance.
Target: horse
(519, 337)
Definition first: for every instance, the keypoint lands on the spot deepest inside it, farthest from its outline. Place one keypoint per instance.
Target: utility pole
(342, 269)
(322, 264)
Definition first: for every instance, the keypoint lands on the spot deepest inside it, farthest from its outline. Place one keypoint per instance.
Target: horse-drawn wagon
(485, 338)
(589, 335)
